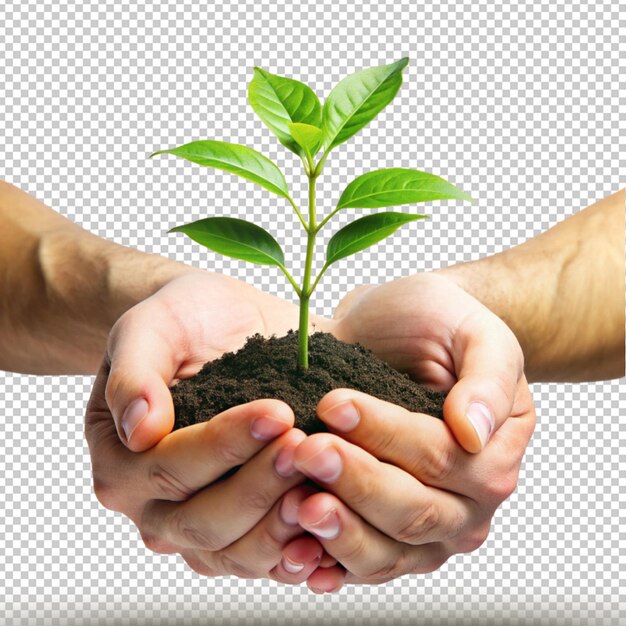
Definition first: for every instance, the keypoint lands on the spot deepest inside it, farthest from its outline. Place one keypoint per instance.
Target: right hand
(244, 524)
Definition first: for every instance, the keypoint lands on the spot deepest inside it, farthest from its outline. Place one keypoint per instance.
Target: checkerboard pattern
(521, 104)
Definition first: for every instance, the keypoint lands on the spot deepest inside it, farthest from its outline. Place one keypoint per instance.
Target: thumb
(142, 366)
(489, 364)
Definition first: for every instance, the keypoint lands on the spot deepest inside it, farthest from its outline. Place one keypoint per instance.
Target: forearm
(62, 288)
(562, 294)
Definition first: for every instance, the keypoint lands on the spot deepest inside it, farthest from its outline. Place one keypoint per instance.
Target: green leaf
(357, 99)
(235, 238)
(396, 186)
(308, 137)
(240, 160)
(279, 101)
(365, 232)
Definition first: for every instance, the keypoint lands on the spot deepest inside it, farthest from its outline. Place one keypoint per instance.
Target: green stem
(317, 280)
(323, 222)
(303, 334)
(290, 279)
(320, 164)
(305, 293)
(297, 210)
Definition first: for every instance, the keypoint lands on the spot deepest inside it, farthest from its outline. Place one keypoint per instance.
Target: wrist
(88, 283)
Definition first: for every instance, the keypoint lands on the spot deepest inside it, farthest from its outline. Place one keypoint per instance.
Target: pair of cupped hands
(384, 493)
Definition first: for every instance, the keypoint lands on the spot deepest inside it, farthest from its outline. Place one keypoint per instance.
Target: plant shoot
(292, 111)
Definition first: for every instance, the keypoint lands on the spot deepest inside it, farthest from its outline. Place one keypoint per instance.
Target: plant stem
(305, 293)
(317, 280)
(328, 217)
(297, 210)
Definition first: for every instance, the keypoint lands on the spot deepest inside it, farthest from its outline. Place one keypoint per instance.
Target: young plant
(293, 112)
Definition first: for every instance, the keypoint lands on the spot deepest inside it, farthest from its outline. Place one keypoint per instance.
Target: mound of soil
(267, 368)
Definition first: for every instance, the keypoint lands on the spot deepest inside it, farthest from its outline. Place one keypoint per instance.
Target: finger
(113, 466)
(190, 458)
(419, 444)
(262, 552)
(425, 447)
(227, 510)
(385, 496)
(182, 462)
(489, 364)
(299, 560)
(326, 579)
(143, 360)
(358, 547)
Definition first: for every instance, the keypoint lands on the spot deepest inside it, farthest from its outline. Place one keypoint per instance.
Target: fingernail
(482, 421)
(266, 428)
(327, 527)
(284, 462)
(133, 416)
(289, 511)
(291, 566)
(325, 466)
(343, 416)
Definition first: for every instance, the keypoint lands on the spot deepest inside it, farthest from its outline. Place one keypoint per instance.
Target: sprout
(293, 112)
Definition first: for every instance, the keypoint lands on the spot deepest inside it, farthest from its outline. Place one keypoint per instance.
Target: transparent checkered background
(522, 106)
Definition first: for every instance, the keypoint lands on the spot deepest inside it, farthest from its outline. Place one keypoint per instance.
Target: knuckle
(389, 571)
(257, 500)
(384, 443)
(227, 451)
(471, 541)
(108, 496)
(419, 525)
(193, 536)
(431, 564)
(435, 463)
(240, 570)
(362, 494)
(199, 567)
(269, 545)
(157, 544)
(501, 487)
(352, 554)
(168, 486)
(441, 463)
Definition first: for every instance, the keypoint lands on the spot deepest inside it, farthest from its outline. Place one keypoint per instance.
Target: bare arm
(562, 294)
(62, 288)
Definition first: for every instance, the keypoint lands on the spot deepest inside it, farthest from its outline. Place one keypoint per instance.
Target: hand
(159, 479)
(429, 327)
(401, 495)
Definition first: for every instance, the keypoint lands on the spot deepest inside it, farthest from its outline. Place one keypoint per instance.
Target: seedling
(293, 112)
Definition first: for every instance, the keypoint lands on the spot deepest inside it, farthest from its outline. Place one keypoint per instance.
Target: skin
(162, 490)
(166, 483)
(569, 317)
(59, 281)
(429, 326)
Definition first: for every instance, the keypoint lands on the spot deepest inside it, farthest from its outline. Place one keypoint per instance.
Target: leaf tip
(403, 62)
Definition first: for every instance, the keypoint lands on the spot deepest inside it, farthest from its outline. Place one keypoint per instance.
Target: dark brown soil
(266, 368)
